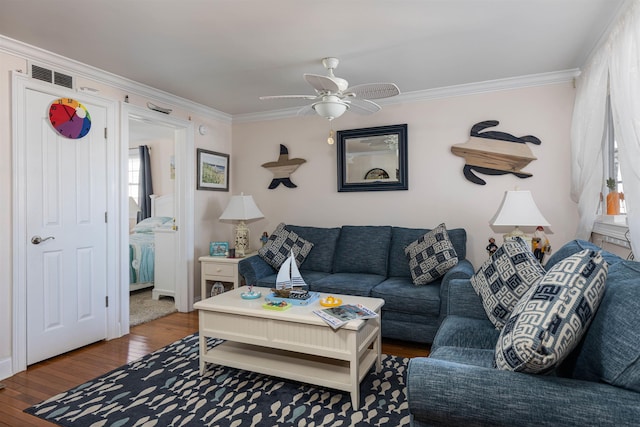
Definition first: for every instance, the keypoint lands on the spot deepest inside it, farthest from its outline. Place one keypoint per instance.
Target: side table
(221, 269)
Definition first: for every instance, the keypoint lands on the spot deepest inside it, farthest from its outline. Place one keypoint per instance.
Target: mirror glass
(373, 159)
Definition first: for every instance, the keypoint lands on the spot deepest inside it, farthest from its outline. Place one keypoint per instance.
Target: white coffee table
(294, 344)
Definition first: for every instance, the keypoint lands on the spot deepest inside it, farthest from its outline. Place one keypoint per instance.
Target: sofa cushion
(551, 318)
(401, 237)
(464, 355)
(610, 351)
(347, 284)
(460, 331)
(431, 256)
(363, 249)
(400, 296)
(280, 244)
(324, 246)
(504, 278)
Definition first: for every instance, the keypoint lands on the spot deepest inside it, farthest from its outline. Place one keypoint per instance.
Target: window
(134, 173)
(612, 164)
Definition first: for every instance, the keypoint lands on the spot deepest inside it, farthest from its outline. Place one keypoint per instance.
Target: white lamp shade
(518, 209)
(241, 208)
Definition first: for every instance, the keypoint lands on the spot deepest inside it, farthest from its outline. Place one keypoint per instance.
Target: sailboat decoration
(290, 285)
(289, 277)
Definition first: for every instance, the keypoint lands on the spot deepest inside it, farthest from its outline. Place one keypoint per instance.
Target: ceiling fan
(334, 96)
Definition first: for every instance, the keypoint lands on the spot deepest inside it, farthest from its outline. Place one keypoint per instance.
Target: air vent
(62, 80)
(50, 76)
(40, 73)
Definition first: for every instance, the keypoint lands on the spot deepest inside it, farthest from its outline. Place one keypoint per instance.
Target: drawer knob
(219, 270)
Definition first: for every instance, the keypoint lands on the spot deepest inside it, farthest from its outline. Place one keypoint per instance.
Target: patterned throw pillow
(552, 317)
(280, 244)
(504, 278)
(431, 256)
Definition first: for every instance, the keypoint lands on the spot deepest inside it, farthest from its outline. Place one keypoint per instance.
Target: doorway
(63, 243)
(171, 142)
(150, 298)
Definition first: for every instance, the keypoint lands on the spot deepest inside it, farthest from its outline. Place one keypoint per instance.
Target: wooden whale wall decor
(283, 168)
(494, 152)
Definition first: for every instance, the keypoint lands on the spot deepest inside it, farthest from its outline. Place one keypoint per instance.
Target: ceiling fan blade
(363, 106)
(289, 97)
(307, 110)
(322, 83)
(374, 90)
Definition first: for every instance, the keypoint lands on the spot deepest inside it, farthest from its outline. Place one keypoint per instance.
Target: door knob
(36, 240)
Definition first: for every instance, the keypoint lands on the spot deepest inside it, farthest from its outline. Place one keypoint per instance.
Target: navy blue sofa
(598, 384)
(370, 261)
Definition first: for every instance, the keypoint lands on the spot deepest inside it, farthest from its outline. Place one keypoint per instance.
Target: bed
(142, 253)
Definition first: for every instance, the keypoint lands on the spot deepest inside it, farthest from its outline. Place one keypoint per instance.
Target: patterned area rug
(165, 388)
(143, 309)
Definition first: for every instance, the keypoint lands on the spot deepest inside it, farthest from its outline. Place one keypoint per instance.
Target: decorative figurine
(264, 238)
(492, 247)
(540, 244)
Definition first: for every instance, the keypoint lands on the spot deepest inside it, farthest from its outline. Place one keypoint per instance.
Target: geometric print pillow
(504, 278)
(280, 244)
(550, 320)
(431, 256)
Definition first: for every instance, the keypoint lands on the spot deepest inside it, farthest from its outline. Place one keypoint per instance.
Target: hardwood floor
(55, 375)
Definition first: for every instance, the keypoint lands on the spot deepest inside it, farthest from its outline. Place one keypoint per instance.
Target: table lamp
(518, 209)
(241, 208)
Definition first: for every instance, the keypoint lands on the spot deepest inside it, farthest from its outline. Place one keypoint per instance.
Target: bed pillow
(280, 244)
(504, 278)
(147, 225)
(431, 256)
(551, 318)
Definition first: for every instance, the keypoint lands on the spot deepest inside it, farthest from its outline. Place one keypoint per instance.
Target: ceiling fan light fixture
(330, 107)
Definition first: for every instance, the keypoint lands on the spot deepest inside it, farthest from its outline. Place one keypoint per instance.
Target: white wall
(438, 192)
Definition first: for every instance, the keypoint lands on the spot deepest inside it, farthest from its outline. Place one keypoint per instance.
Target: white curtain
(587, 128)
(625, 103)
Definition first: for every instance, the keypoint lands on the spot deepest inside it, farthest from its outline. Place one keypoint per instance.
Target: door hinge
(105, 133)
(106, 301)
(105, 217)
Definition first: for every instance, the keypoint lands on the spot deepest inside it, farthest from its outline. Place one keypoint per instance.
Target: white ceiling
(226, 53)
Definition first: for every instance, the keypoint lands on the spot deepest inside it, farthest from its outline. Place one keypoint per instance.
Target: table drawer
(223, 270)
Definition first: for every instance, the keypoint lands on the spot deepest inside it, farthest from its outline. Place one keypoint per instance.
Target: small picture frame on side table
(218, 249)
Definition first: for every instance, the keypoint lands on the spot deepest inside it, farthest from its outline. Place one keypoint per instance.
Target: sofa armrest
(462, 300)
(463, 270)
(254, 268)
(445, 393)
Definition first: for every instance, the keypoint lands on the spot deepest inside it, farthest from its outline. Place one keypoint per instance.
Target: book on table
(338, 316)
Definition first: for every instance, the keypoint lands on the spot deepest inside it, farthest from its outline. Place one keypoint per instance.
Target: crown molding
(75, 68)
(510, 83)
(60, 63)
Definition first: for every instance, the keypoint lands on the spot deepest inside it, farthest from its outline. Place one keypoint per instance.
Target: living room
(541, 105)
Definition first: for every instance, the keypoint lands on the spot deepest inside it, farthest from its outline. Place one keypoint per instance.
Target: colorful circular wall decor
(69, 118)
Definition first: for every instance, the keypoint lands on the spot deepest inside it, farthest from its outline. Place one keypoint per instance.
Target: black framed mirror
(373, 159)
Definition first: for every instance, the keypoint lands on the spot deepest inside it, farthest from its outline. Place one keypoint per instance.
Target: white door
(66, 204)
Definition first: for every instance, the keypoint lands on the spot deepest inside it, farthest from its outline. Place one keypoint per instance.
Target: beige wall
(438, 192)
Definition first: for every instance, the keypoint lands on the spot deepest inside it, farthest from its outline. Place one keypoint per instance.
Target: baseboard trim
(5, 368)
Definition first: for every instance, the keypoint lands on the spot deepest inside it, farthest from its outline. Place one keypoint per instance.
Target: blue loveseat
(370, 261)
(597, 384)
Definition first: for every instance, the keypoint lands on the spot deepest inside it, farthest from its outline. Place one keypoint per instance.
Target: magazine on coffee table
(338, 316)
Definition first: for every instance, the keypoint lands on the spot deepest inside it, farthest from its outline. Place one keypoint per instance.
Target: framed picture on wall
(213, 171)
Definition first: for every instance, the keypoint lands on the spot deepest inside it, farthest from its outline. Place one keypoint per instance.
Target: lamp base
(518, 233)
(242, 240)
